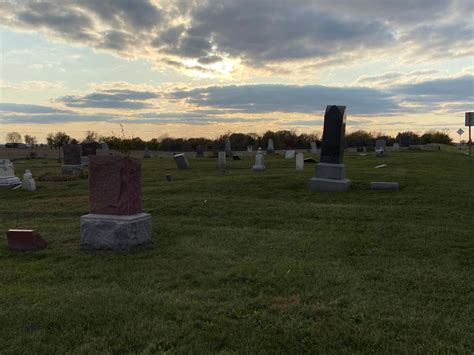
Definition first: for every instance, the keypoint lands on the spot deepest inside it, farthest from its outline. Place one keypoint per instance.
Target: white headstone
(7, 173)
(289, 154)
(299, 162)
(259, 166)
(249, 149)
(28, 182)
(227, 145)
(222, 163)
(314, 148)
(270, 147)
(396, 146)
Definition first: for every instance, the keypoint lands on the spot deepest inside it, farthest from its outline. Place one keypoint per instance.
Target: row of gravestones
(117, 221)
(8, 178)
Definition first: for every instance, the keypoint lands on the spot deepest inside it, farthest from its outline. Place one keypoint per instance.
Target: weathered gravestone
(181, 161)
(299, 162)
(270, 147)
(380, 147)
(146, 153)
(7, 174)
(405, 141)
(72, 159)
(199, 151)
(221, 162)
(249, 150)
(259, 166)
(88, 148)
(28, 182)
(228, 149)
(290, 154)
(25, 239)
(331, 172)
(396, 146)
(384, 185)
(314, 147)
(116, 219)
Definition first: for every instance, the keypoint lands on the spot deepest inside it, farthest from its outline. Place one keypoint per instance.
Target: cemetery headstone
(259, 165)
(270, 147)
(199, 151)
(88, 149)
(25, 240)
(384, 185)
(28, 182)
(299, 162)
(221, 162)
(314, 148)
(72, 159)
(228, 149)
(146, 153)
(405, 141)
(116, 219)
(331, 172)
(380, 147)
(396, 146)
(181, 161)
(249, 149)
(7, 174)
(290, 154)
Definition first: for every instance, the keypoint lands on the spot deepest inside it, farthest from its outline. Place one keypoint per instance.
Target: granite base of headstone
(331, 172)
(28, 183)
(116, 220)
(25, 240)
(181, 161)
(7, 174)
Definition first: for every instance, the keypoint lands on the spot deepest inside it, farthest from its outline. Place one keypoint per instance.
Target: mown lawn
(251, 262)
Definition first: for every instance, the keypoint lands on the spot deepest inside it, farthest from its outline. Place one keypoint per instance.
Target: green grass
(251, 262)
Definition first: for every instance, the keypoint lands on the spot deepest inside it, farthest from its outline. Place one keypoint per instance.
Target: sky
(189, 68)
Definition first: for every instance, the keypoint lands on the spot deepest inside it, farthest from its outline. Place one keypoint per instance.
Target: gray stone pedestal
(329, 177)
(101, 231)
(9, 181)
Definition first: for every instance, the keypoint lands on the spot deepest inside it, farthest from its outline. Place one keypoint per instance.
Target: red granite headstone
(114, 183)
(25, 239)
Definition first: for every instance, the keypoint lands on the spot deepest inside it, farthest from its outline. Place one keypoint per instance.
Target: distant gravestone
(396, 146)
(228, 149)
(72, 159)
(7, 174)
(290, 154)
(314, 148)
(28, 182)
(270, 147)
(221, 160)
(259, 165)
(116, 219)
(331, 172)
(380, 147)
(299, 162)
(146, 153)
(181, 161)
(405, 141)
(249, 149)
(199, 151)
(88, 149)
(384, 185)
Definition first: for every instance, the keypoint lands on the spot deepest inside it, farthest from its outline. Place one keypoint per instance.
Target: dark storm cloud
(113, 99)
(289, 98)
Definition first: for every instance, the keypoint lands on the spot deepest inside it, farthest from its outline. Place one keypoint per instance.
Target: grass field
(251, 262)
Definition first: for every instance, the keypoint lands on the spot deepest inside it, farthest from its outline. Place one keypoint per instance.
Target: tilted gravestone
(331, 172)
(181, 161)
(116, 219)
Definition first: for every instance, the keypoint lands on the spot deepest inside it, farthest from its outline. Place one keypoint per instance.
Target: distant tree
(30, 140)
(436, 137)
(414, 138)
(359, 138)
(58, 139)
(92, 136)
(13, 137)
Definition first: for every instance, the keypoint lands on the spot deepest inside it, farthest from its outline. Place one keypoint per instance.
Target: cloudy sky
(203, 68)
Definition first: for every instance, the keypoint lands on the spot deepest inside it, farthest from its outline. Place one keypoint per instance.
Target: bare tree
(30, 140)
(92, 136)
(13, 137)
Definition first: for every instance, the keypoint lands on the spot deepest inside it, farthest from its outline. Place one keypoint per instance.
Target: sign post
(469, 121)
(460, 131)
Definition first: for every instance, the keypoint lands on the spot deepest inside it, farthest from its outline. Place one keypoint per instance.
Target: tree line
(284, 139)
